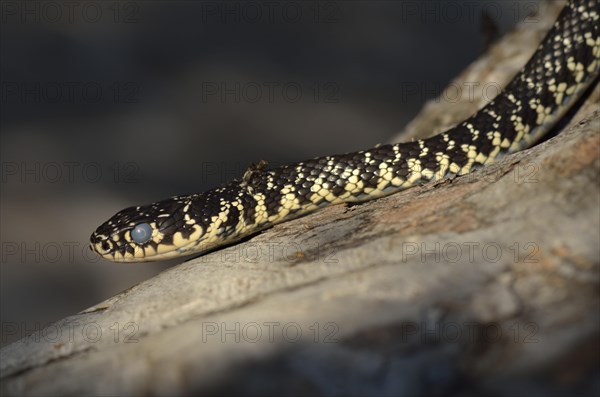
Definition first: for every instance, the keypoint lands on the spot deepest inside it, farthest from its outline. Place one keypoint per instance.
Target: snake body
(564, 65)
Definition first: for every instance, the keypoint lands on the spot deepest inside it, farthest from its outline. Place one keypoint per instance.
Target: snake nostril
(105, 246)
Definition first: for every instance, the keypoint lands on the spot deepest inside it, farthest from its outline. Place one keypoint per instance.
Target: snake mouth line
(110, 249)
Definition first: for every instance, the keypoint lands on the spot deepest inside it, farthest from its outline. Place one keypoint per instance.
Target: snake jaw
(119, 247)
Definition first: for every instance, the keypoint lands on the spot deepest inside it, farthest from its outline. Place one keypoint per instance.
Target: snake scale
(564, 65)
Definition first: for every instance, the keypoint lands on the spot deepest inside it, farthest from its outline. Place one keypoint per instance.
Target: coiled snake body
(564, 65)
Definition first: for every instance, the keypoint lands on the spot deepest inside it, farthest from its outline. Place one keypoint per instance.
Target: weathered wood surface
(485, 283)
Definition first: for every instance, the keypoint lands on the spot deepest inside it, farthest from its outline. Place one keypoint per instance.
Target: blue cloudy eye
(141, 233)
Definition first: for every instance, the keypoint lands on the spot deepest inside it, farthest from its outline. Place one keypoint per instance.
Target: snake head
(147, 233)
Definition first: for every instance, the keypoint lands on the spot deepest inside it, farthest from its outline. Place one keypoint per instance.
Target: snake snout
(101, 244)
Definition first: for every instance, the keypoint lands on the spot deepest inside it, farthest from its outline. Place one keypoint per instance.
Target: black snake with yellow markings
(564, 65)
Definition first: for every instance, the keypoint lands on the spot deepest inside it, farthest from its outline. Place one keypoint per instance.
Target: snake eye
(141, 233)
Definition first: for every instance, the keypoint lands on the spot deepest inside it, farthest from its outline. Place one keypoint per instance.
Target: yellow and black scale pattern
(565, 64)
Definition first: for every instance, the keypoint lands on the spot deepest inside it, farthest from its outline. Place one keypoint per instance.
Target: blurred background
(111, 104)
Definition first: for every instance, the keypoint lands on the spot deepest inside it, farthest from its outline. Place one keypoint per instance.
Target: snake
(563, 67)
